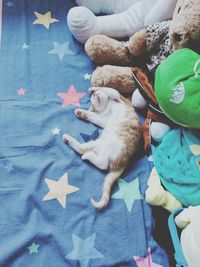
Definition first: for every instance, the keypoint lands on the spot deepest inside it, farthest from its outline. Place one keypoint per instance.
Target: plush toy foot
(138, 101)
(105, 50)
(157, 196)
(172, 203)
(82, 23)
(158, 130)
(116, 77)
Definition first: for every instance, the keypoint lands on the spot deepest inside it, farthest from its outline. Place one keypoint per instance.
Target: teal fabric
(178, 167)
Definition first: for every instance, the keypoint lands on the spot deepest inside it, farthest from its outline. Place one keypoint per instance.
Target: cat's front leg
(78, 147)
(90, 116)
(81, 113)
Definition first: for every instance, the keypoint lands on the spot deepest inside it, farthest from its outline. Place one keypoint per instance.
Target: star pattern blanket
(46, 218)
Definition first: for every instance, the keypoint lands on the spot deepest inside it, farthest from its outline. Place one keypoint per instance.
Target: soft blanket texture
(45, 188)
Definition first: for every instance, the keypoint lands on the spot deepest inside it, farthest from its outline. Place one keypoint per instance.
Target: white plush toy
(188, 220)
(124, 17)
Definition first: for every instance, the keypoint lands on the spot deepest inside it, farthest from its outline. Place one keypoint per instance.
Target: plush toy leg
(83, 23)
(157, 196)
(126, 23)
(116, 77)
(105, 6)
(138, 101)
(105, 50)
(158, 130)
(161, 10)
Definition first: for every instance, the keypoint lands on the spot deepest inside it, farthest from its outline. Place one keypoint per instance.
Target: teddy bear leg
(158, 130)
(119, 78)
(82, 23)
(105, 50)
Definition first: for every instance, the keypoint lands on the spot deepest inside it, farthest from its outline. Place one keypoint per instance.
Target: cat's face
(99, 101)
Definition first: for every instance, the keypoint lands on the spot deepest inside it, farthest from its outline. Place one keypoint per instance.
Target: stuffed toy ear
(162, 10)
(183, 219)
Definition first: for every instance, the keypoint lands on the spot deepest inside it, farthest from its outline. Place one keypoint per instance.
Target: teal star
(129, 192)
(61, 50)
(84, 250)
(33, 248)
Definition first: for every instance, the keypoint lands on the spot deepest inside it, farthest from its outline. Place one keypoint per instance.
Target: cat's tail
(110, 179)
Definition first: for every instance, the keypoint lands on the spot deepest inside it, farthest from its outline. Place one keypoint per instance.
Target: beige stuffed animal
(154, 42)
(184, 31)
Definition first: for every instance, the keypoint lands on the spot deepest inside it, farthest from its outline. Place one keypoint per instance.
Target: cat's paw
(66, 138)
(80, 113)
(87, 156)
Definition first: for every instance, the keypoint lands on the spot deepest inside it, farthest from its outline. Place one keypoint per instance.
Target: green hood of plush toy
(177, 87)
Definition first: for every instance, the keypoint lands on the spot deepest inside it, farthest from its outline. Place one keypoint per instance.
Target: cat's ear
(112, 93)
(93, 89)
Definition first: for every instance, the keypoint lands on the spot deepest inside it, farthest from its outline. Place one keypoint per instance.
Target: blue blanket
(46, 218)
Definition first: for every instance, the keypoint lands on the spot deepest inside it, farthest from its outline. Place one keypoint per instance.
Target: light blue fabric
(178, 167)
(37, 64)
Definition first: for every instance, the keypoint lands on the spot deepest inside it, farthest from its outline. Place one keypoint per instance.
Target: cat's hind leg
(100, 161)
(78, 147)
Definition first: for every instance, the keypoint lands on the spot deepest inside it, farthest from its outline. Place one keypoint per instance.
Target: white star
(87, 76)
(25, 46)
(9, 166)
(56, 131)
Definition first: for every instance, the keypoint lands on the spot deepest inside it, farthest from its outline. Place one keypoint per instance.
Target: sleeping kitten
(118, 141)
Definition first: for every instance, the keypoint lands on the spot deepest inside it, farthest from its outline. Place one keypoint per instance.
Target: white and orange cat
(118, 141)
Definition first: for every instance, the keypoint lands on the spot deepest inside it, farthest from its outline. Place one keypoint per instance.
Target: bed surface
(46, 218)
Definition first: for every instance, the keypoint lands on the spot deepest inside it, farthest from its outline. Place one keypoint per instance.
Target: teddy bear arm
(105, 50)
(116, 77)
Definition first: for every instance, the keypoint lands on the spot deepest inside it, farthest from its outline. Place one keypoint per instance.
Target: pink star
(146, 262)
(21, 91)
(72, 97)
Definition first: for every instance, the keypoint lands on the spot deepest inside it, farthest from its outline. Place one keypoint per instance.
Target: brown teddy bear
(151, 46)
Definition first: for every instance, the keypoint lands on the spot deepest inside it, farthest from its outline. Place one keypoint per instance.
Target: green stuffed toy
(177, 87)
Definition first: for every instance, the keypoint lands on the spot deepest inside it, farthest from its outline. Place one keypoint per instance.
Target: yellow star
(59, 189)
(45, 19)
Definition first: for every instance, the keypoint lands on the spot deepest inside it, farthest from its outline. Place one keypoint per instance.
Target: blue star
(9, 166)
(61, 49)
(84, 250)
(9, 4)
(89, 137)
